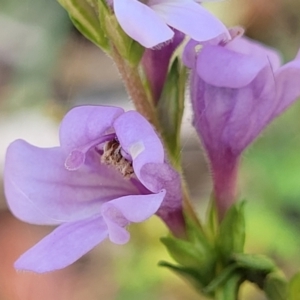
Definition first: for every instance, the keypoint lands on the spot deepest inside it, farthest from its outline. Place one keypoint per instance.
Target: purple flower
(109, 171)
(237, 89)
(156, 64)
(148, 21)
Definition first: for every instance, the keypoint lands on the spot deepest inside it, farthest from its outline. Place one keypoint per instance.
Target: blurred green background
(46, 67)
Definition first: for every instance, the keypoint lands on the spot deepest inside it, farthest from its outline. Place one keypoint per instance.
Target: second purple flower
(237, 88)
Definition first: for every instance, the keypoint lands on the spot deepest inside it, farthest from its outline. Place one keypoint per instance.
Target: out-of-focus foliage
(32, 34)
(272, 181)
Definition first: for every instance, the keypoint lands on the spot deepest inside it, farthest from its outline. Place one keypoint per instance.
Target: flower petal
(229, 119)
(250, 47)
(287, 80)
(141, 23)
(40, 190)
(221, 67)
(120, 212)
(190, 52)
(156, 63)
(138, 138)
(83, 125)
(190, 18)
(162, 176)
(253, 108)
(63, 246)
(189, 55)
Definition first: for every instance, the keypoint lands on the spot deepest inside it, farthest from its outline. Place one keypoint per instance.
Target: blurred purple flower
(109, 171)
(237, 89)
(148, 21)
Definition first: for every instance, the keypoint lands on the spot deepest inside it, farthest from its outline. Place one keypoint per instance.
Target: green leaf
(231, 237)
(195, 232)
(170, 109)
(255, 267)
(220, 279)
(184, 253)
(85, 18)
(254, 262)
(129, 50)
(134, 53)
(195, 252)
(275, 287)
(189, 274)
(294, 288)
(212, 224)
(197, 256)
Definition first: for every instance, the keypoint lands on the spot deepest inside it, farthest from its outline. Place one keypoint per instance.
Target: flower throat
(112, 155)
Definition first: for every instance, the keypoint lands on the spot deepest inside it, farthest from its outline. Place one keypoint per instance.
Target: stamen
(112, 155)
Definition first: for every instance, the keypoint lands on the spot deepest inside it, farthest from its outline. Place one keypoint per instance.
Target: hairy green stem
(135, 88)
